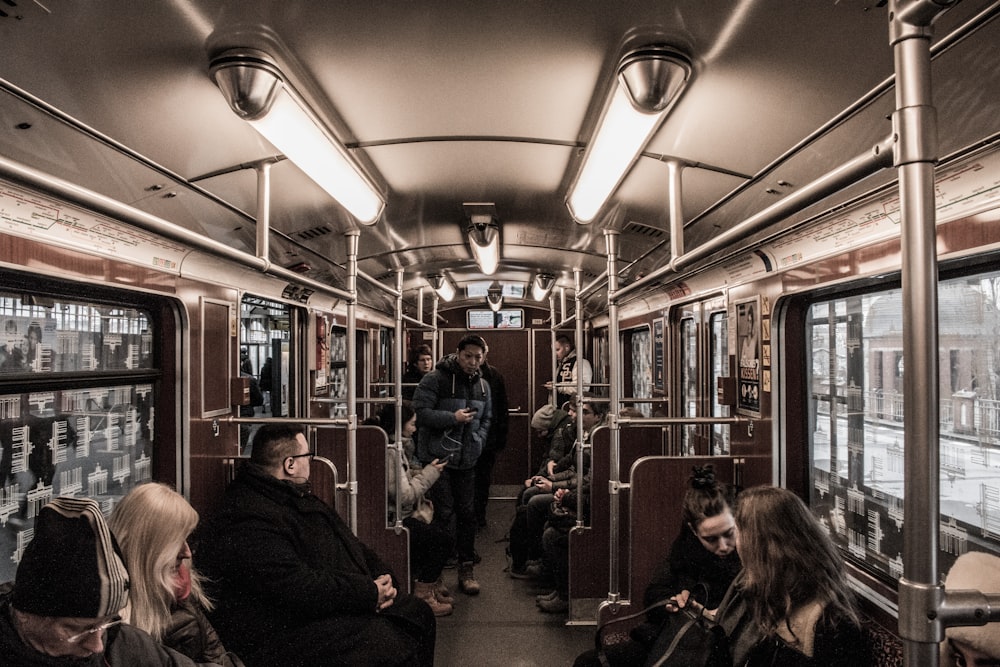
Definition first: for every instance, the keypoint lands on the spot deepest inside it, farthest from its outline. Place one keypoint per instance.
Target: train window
(642, 371)
(77, 393)
(265, 351)
(719, 326)
(855, 419)
(689, 381)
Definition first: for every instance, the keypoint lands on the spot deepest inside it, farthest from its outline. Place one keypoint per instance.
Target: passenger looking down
(293, 586)
(791, 604)
(69, 591)
(568, 368)
(555, 507)
(700, 567)
(973, 645)
(152, 524)
(454, 412)
(430, 544)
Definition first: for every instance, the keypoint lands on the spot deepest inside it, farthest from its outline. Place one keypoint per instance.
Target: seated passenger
(973, 645)
(152, 524)
(702, 562)
(791, 604)
(536, 500)
(293, 586)
(430, 544)
(67, 595)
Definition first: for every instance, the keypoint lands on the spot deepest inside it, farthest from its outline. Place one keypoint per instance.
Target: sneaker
(467, 579)
(554, 606)
(519, 572)
(551, 595)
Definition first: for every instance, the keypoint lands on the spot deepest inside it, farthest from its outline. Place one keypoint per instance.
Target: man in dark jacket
(292, 583)
(496, 439)
(70, 587)
(454, 411)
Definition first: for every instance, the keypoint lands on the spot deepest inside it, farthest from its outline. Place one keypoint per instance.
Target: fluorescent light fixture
(495, 299)
(443, 285)
(542, 285)
(484, 235)
(258, 92)
(648, 82)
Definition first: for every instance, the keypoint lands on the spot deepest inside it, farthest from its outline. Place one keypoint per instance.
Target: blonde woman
(152, 524)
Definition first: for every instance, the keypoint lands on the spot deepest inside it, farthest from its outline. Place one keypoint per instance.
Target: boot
(442, 594)
(467, 580)
(426, 593)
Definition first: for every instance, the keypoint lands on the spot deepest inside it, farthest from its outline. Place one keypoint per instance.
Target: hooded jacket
(439, 395)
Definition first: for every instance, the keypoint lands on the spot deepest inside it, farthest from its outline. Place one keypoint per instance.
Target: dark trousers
(430, 547)
(453, 496)
(484, 477)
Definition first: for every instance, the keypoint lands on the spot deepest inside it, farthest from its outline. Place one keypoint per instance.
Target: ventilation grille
(640, 229)
(314, 233)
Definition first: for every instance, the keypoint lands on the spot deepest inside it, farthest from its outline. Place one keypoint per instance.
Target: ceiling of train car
(444, 102)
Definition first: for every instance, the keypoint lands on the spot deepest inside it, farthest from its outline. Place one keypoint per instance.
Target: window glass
(689, 381)
(642, 371)
(719, 326)
(82, 435)
(855, 382)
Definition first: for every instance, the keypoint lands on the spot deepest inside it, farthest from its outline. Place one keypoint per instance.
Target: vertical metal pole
(263, 209)
(554, 396)
(614, 360)
(397, 375)
(676, 203)
(914, 123)
(352, 379)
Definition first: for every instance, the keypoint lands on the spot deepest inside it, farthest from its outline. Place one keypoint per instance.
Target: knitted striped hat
(73, 566)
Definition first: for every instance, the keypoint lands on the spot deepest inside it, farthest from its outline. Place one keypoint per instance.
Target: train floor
(502, 627)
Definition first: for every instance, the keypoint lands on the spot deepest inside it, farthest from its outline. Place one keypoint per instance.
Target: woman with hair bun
(701, 565)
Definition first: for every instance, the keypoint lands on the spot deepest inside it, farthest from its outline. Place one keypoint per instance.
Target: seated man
(292, 583)
(69, 589)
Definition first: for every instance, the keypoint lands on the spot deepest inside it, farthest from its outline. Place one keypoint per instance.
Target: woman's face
(963, 655)
(184, 553)
(410, 427)
(717, 533)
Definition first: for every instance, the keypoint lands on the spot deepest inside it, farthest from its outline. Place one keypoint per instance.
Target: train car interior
(771, 227)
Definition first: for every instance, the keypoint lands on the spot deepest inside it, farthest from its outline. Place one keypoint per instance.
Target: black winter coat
(294, 586)
(439, 395)
(191, 633)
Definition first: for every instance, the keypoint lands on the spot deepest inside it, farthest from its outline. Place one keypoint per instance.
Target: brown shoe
(442, 594)
(467, 580)
(426, 593)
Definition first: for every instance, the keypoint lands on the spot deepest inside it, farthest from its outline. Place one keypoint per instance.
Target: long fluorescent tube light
(288, 127)
(648, 81)
(257, 92)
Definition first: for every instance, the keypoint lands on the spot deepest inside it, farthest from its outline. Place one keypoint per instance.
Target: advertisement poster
(748, 346)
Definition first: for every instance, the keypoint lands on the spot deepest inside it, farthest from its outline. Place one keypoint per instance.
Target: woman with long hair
(152, 524)
(791, 604)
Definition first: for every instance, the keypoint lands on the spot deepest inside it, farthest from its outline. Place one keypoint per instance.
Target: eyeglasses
(81, 636)
(311, 455)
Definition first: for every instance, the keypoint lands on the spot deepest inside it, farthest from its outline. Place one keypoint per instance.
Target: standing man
(292, 583)
(568, 368)
(454, 411)
(421, 363)
(496, 440)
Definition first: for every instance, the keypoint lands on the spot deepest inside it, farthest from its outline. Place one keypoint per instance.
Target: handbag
(423, 510)
(689, 638)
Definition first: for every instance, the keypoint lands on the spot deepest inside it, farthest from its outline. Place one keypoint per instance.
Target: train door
(509, 353)
(699, 360)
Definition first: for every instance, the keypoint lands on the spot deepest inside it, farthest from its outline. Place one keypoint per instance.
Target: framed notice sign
(748, 361)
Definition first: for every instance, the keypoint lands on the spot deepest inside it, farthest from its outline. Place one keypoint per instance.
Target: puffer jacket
(439, 395)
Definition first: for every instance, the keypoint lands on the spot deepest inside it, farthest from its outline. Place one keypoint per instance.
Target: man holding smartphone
(454, 410)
